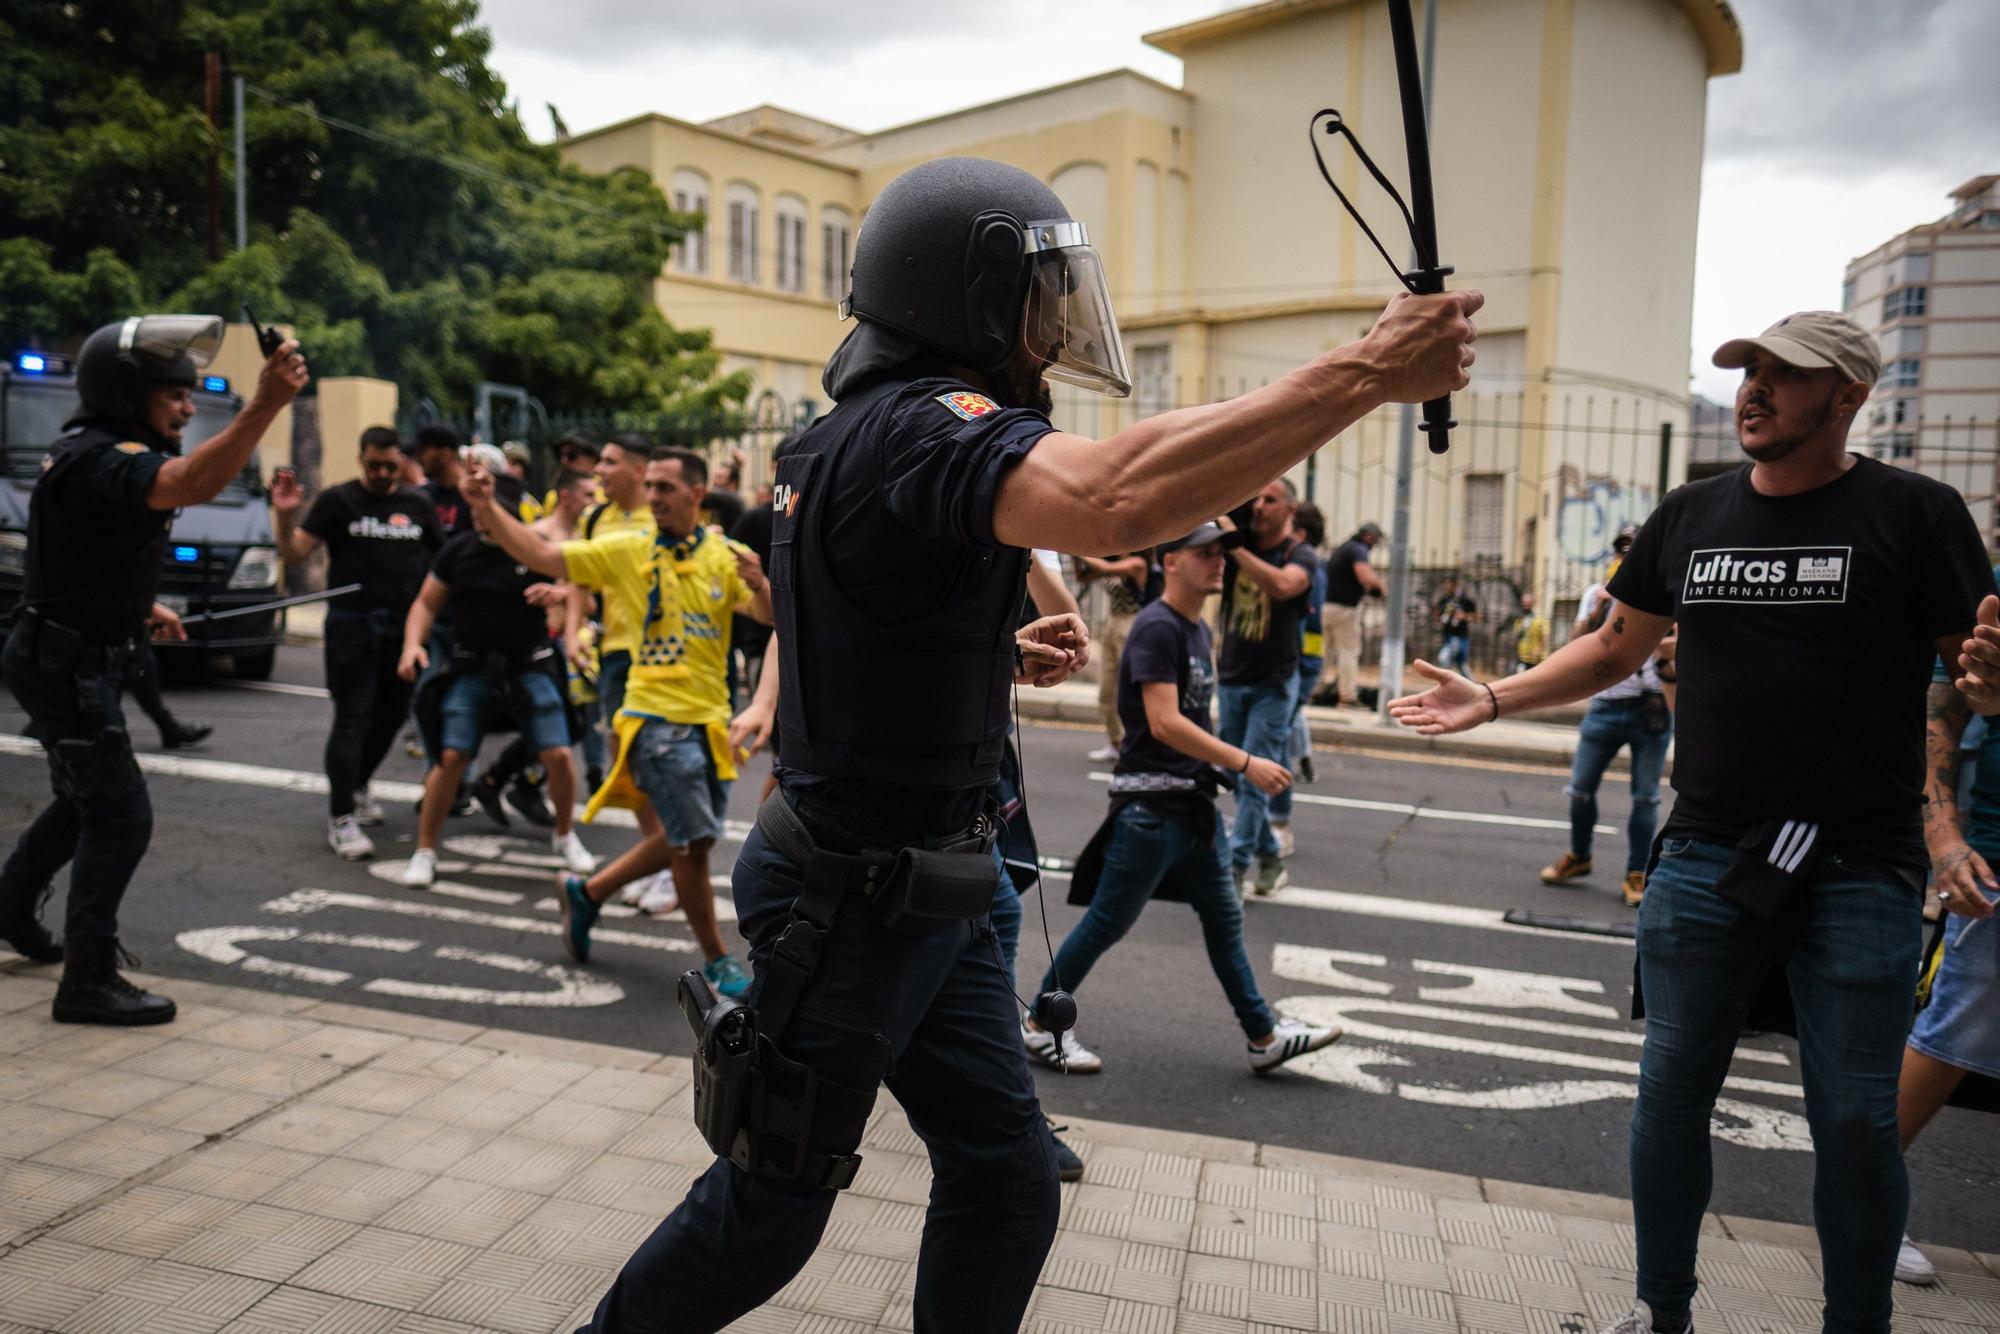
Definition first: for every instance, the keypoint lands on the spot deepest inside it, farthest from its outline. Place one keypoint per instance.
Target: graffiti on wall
(1591, 513)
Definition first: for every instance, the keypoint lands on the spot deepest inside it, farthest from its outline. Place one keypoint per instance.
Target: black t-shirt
(1454, 615)
(383, 543)
(1163, 645)
(453, 516)
(753, 530)
(725, 508)
(1260, 637)
(486, 586)
(1342, 585)
(1807, 632)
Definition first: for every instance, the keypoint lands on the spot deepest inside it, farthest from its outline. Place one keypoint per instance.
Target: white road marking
(303, 901)
(1416, 910)
(1503, 989)
(1420, 812)
(277, 688)
(573, 990)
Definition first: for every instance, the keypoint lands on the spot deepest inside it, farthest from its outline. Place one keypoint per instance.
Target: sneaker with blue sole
(728, 977)
(579, 914)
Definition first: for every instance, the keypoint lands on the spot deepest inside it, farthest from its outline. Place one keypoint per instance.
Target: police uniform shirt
(907, 524)
(383, 543)
(1807, 633)
(681, 597)
(104, 491)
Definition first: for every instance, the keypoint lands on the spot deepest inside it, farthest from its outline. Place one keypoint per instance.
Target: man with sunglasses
(380, 534)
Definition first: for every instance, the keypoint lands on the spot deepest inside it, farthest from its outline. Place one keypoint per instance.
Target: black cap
(1200, 537)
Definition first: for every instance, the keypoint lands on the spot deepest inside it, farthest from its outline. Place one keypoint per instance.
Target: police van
(219, 556)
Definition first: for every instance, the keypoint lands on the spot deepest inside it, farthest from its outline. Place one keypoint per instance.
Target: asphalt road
(1472, 1046)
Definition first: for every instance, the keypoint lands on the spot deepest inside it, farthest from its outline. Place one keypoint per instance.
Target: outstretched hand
(1980, 683)
(1455, 704)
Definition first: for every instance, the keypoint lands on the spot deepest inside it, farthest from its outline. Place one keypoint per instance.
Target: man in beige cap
(1813, 590)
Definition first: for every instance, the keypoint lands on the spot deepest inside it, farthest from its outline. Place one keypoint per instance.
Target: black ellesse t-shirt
(1807, 632)
(383, 543)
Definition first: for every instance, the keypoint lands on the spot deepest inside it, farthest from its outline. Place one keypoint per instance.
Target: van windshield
(32, 413)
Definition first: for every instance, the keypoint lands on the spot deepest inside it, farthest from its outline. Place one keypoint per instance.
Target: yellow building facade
(1567, 142)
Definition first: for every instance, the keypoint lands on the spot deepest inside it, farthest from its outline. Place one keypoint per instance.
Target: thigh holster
(754, 1105)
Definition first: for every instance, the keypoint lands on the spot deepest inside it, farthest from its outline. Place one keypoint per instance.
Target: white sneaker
(1103, 754)
(576, 857)
(344, 836)
(632, 891)
(1288, 1039)
(1271, 876)
(367, 810)
(1060, 1051)
(1286, 845)
(1913, 1266)
(1639, 1320)
(422, 872)
(659, 897)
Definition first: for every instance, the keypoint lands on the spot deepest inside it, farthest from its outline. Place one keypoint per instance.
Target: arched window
(836, 251)
(745, 206)
(688, 193)
(790, 213)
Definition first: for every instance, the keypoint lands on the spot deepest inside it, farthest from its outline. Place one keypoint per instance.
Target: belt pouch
(927, 890)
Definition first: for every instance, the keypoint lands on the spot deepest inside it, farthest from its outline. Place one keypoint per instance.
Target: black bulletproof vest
(94, 573)
(916, 702)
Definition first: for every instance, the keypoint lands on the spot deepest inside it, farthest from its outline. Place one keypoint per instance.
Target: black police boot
(21, 925)
(487, 793)
(174, 733)
(93, 992)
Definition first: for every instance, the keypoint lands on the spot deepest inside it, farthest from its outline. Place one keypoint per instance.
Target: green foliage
(437, 247)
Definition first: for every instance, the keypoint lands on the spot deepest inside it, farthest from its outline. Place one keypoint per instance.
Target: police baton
(279, 605)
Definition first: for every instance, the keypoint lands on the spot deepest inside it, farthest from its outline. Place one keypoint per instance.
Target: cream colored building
(1567, 142)
(1931, 297)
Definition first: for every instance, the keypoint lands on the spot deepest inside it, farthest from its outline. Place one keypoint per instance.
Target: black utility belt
(55, 647)
(912, 891)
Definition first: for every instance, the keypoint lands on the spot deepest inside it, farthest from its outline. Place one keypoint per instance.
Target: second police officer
(97, 528)
(903, 520)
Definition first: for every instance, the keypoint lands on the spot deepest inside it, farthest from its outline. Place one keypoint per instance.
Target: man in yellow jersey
(675, 590)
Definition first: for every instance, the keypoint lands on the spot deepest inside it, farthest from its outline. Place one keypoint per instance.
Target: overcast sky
(1849, 123)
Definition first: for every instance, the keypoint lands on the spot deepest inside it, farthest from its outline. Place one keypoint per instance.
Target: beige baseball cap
(1812, 339)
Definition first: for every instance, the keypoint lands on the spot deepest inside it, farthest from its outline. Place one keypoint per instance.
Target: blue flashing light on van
(215, 384)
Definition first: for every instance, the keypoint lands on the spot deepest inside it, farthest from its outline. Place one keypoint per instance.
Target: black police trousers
(103, 839)
(933, 1019)
(370, 702)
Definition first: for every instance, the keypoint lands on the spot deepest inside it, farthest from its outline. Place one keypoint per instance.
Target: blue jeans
(1607, 725)
(1259, 719)
(930, 1018)
(1146, 850)
(671, 764)
(1455, 653)
(1299, 740)
(101, 839)
(545, 725)
(1852, 975)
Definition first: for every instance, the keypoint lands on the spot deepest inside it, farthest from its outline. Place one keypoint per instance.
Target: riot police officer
(901, 523)
(97, 526)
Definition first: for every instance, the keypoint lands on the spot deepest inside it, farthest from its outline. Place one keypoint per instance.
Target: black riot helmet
(972, 261)
(121, 361)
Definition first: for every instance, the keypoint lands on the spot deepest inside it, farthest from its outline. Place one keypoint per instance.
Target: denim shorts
(1961, 1025)
(670, 763)
(465, 701)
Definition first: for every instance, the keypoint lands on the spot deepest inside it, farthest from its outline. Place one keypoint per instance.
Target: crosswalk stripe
(1405, 809)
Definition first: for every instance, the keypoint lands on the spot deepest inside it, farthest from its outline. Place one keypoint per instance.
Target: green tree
(400, 217)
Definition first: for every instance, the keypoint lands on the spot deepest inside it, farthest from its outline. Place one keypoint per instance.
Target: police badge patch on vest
(968, 405)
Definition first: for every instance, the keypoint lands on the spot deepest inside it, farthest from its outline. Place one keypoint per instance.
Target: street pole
(211, 94)
(242, 181)
(1395, 636)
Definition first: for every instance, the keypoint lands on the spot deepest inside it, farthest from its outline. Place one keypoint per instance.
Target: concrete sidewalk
(270, 1164)
(1549, 740)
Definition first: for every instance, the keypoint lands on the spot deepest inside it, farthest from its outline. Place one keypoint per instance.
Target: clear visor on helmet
(171, 337)
(1068, 322)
